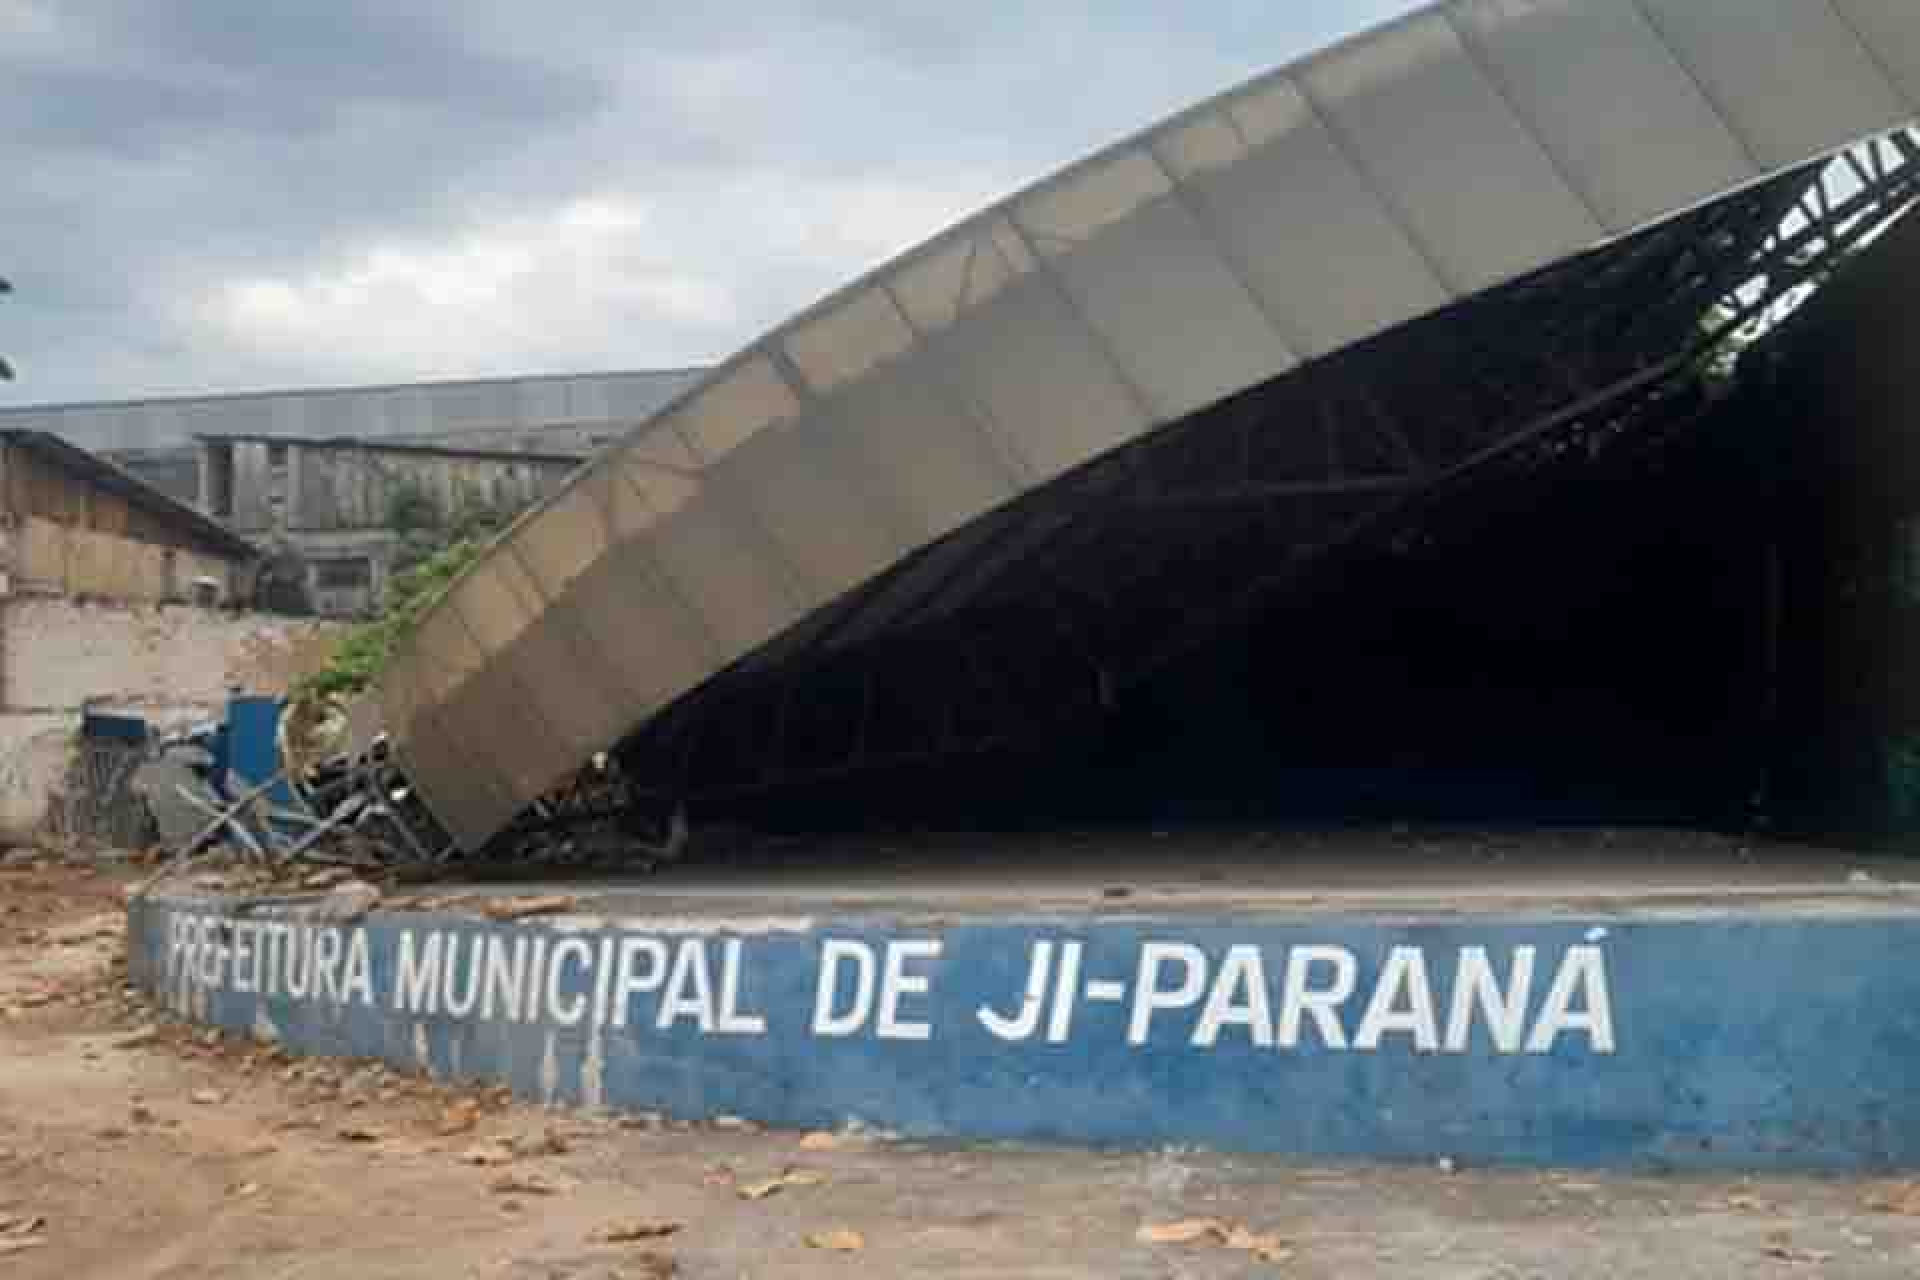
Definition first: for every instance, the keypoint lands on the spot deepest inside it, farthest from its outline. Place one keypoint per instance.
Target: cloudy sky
(210, 195)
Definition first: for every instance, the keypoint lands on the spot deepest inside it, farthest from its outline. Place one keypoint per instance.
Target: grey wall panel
(586, 709)
(1483, 198)
(1031, 362)
(475, 719)
(1172, 310)
(713, 562)
(1607, 98)
(508, 732)
(801, 487)
(629, 615)
(1325, 255)
(1791, 76)
(1889, 32)
(922, 446)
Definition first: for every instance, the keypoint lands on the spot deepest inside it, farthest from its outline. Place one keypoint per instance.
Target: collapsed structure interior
(1537, 559)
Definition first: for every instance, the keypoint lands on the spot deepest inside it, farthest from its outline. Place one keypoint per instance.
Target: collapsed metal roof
(1172, 373)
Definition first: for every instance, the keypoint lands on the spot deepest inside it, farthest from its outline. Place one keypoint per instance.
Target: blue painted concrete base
(1769, 1042)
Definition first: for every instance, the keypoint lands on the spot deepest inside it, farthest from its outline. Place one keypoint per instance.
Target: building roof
(101, 474)
(592, 402)
(358, 445)
(1279, 227)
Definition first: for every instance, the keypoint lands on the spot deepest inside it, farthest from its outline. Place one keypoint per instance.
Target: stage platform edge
(1768, 1030)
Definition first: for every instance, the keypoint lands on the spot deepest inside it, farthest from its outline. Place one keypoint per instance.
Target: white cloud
(223, 196)
(611, 280)
(530, 289)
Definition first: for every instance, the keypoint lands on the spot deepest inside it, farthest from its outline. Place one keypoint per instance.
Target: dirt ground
(137, 1150)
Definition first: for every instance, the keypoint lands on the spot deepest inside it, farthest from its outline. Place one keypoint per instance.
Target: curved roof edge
(1376, 181)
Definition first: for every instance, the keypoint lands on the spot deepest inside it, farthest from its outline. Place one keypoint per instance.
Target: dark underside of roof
(1041, 627)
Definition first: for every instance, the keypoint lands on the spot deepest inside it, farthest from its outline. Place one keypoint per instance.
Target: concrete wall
(332, 488)
(171, 664)
(1665, 1040)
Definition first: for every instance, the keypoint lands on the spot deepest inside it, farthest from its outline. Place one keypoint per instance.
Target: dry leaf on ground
(1900, 1197)
(459, 1117)
(790, 1178)
(1186, 1231)
(1746, 1204)
(1265, 1246)
(649, 1266)
(839, 1240)
(488, 1155)
(636, 1229)
(529, 1184)
(522, 908)
(358, 1133)
(1796, 1256)
(548, 1142)
(21, 1224)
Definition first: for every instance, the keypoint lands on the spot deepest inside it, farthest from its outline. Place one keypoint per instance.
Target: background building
(345, 515)
(73, 525)
(157, 440)
(337, 484)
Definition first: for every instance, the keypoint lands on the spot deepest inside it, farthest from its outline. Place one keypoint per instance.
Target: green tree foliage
(425, 530)
(363, 655)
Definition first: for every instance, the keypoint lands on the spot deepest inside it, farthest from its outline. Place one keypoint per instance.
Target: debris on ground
(327, 878)
(1744, 1203)
(529, 1184)
(460, 1116)
(504, 909)
(345, 903)
(1185, 1231)
(1780, 1248)
(548, 1142)
(1901, 1198)
(773, 1186)
(20, 1232)
(839, 1240)
(488, 1155)
(1217, 1233)
(633, 1229)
